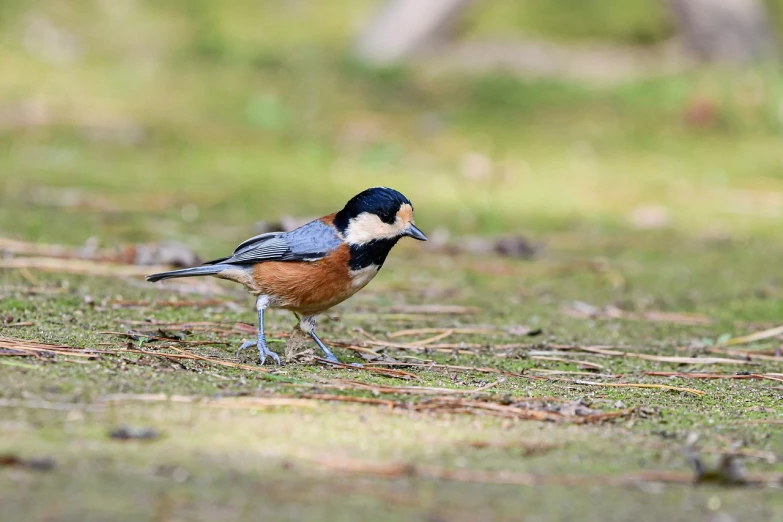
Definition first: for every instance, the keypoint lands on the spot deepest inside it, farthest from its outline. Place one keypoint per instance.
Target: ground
(654, 206)
(241, 459)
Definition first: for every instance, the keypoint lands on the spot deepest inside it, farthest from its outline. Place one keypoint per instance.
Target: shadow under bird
(316, 266)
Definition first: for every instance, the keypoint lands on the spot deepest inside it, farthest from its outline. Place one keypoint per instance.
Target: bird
(312, 268)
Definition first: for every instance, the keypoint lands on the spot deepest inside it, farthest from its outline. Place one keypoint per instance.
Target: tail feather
(187, 272)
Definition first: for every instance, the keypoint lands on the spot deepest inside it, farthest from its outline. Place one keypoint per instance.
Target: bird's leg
(307, 325)
(261, 304)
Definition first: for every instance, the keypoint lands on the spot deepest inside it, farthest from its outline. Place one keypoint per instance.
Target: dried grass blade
(698, 393)
(758, 336)
(164, 339)
(659, 358)
(586, 364)
(432, 339)
(453, 348)
(11, 343)
(759, 376)
(17, 325)
(565, 372)
(748, 356)
(367, 334)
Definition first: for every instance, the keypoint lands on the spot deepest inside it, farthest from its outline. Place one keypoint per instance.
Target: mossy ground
(245, 463)
(221, 117)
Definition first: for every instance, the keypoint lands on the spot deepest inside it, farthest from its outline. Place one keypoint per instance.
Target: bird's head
(376, 214)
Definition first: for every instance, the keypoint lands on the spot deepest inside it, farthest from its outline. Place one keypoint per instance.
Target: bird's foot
(329, 357)
(263, 351)
(334, 360)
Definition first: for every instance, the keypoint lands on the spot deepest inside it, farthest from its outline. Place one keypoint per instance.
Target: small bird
(316, 266)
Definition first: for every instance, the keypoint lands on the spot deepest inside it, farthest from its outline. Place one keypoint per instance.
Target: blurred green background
(192, 119)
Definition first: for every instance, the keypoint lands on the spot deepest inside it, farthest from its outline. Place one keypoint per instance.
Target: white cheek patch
(360, 278)
(368, 227)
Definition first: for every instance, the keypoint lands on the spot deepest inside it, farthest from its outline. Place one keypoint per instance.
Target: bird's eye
(387, 217)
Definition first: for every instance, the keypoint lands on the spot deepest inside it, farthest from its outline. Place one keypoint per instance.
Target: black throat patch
(372, 253)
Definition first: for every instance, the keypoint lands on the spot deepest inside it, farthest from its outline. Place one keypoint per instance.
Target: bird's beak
(415, 233)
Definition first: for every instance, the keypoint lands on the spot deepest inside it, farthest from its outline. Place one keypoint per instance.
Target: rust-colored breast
(306, 287)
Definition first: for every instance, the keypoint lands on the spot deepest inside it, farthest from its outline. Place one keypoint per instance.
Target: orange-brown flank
(306, 287)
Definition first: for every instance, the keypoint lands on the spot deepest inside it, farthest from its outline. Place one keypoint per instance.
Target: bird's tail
(188, 272)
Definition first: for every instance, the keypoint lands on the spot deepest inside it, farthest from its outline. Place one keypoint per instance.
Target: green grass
(241, 134)
(191, 122)
(636, 22)
(630, 22)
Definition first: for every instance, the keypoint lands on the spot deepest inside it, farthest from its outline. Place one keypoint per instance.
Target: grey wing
(265, 247)
(309, 242)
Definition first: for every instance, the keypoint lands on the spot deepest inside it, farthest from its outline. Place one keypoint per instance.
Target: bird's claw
(263, 351)
(332, 359)
(274, 356)
(335, 360)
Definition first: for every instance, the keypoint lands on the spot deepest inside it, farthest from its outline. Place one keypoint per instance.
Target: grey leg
(327, 352)
(261, 304)
(307, 325)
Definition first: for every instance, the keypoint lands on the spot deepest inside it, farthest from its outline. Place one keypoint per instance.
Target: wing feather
(309, 242)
